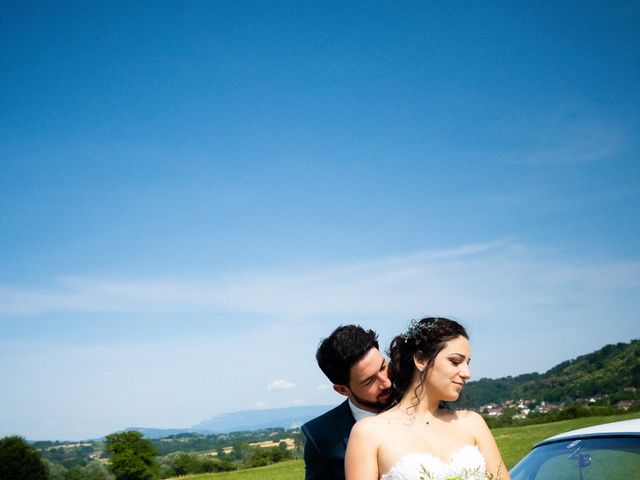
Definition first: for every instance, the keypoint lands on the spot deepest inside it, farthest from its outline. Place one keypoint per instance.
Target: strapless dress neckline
(467, 463)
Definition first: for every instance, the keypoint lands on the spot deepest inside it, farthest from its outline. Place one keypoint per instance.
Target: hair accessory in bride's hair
(416, 327)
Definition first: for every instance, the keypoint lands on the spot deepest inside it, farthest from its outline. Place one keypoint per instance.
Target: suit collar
(359, 413)
(347, 421)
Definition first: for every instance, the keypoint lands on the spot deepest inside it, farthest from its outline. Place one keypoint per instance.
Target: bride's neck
(421, 406)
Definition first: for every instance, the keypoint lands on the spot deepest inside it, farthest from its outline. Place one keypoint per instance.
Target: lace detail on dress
(467, 463)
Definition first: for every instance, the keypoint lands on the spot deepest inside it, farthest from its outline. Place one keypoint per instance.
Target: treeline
(69, 457)
(198, 442)
(93, 470)
(216, 452)
(182, 463)
(21, 461)
(132, 457)
(612, 372)
(507, 418)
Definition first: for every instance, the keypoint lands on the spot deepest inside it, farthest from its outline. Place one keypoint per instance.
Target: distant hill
(290, 417)
(610, 371)
(245, 420)
(159, 432)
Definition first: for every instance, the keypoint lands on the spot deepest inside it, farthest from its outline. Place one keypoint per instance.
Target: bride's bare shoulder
(469, 418)
(373, 425)
(464, 416)
(366, 430)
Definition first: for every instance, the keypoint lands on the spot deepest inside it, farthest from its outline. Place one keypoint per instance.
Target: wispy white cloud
(280, 385)
(517, 302)
(580, 152)
(541, 201)
(82, 294)
(560, 139)
(476, 279)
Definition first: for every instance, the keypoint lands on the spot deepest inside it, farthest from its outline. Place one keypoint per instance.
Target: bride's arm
(361, 459)
(487, 446)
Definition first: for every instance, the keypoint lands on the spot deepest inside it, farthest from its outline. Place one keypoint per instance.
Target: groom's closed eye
(370, 380)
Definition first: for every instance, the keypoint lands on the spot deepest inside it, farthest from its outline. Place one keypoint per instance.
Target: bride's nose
(465, 372)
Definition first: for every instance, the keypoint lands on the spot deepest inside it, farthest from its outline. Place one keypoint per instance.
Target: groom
(350, 358)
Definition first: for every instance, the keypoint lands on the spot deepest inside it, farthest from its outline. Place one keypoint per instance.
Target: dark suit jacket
(326, 443)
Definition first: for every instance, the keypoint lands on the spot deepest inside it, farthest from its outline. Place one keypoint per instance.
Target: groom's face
(369, 385)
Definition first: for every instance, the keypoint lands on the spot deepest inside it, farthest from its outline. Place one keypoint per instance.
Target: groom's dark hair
(342, 349)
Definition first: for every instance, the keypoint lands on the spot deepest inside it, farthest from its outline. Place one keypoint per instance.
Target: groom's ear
(342, 390)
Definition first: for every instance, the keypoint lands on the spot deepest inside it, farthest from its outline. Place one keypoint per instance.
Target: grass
(291, 470)
(514, 443)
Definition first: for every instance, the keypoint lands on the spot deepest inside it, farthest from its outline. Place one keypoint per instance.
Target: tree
(20, 461)
(282, 446)
(260, 456)
(241, 450)
(96, 471)
(131, 456)
(56, 471)
(183, 464)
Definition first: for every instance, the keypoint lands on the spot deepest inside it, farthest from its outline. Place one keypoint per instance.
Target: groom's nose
(385, 382)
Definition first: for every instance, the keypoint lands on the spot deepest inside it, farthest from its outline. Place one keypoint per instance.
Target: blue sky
(193, 194)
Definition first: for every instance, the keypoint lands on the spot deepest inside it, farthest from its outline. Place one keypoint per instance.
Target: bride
(420, 438)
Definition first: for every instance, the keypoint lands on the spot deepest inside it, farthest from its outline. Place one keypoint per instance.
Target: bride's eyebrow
(462, 357)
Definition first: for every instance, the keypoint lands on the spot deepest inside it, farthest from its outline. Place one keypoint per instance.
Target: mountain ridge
(244, 420)
(611, 371)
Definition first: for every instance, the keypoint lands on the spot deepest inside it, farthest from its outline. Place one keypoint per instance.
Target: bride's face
(450, 370)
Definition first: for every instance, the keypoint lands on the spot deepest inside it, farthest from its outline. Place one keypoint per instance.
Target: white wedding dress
(467, 463)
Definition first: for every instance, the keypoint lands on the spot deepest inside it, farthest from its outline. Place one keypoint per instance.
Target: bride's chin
(452, 398)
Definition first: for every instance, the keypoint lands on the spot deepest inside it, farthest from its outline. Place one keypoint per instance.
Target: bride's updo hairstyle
(424, 339)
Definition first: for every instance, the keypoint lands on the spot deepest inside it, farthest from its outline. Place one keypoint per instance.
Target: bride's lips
(460, 385)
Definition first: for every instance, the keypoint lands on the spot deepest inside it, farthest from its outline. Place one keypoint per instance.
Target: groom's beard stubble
(382, 401)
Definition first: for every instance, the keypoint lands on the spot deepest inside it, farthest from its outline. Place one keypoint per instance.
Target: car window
(586, 459)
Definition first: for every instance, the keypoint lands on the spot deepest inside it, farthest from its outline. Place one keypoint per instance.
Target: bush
(182, 463)
(20, 461)
(266, 456)
(92, 471)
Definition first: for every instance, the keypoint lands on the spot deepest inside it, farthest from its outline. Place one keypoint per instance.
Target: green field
(292, 470)
(514, 443)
